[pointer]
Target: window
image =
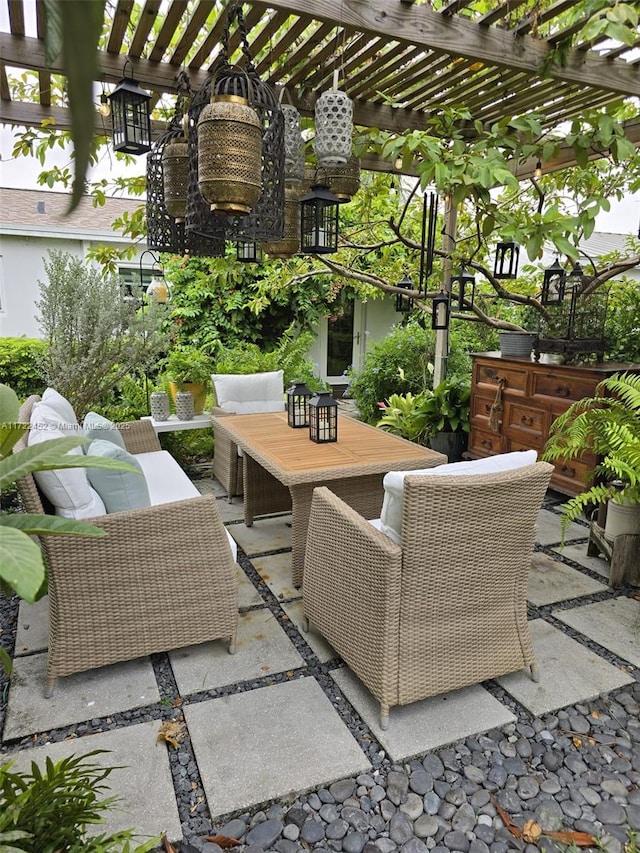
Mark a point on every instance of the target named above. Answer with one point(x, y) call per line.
point(132, 287)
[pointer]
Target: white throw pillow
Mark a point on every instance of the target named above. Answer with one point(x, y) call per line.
point(67, 489)
point(249, 393)
point(392, 504)
point(60, 404)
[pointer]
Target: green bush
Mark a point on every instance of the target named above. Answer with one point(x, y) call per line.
point(401, 363)
point(622, 329)
point(20, 365)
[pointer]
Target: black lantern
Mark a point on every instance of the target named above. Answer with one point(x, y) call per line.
point(323, 418)
point(553, 284)
point(298, 405)
point(249, 252)
point(466, 289)
point(440, 311)
point(130, 116)
point(404, 304)
point(506, 263)
point(575, 278)
point(319, 221)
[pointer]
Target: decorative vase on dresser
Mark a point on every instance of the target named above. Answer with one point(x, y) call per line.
point(515, 400)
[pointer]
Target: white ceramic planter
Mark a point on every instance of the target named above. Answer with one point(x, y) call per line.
point(622, 518)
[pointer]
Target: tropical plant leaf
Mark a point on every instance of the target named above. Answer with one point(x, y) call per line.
point(7, 664)
point(21, 564)
point(35, 525)
point(9, 435)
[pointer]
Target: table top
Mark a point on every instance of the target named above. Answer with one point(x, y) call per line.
point(174, 424)
point(291, 456)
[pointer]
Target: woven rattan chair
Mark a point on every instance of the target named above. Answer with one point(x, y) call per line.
point(164, 577)
point(445, 609)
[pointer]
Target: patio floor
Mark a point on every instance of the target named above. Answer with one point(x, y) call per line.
point(284, 716)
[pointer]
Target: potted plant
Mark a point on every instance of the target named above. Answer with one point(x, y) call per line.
point(189, 369)
point(609, 427)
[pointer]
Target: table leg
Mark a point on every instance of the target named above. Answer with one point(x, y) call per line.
point(263, 493)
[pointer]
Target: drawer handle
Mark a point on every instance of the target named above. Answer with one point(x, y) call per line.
point(486, 442)
point(568, 471)
point(487, 408)
point(526, 421)
point(563, 391)
point(493, 374)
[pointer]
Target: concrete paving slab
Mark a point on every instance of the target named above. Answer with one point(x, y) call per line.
point(569, 672)
point(266, 534)
point(262, 648)
point(248, 595)
point(549, 529)
point(269, 744)
point(551, 581)
point(32, 634)
point(79, 697)
point(322, 650)
point(428, 724)
point(230, 512)
point(578, 553)
point(143, 784)
point(614, 624)
point(275, 571)
point(211, 486)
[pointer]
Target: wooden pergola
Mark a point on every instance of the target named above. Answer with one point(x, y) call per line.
point(399, 60)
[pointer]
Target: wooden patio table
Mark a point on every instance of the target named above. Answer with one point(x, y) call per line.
point(279, 458)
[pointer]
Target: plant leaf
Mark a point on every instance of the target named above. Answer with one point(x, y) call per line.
point(21, 564)
point(35, 525)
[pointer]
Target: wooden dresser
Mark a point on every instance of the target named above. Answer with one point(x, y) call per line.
point(533, 395)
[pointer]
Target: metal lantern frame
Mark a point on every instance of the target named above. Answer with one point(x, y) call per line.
point(319, 221)
point(130, 115)
point(404, 304)
point(323, 418)
point(553, 284)
point(333, 113)
point(441, 310)
point(506, 260)
point(466, 289)
point(298, 396)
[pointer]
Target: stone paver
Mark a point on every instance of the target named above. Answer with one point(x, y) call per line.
point(569, 672)
point(86, 695)
point(262, 648)
point(211, 486)
point(230, 511)
point(323, 651)
point(578, 553)
point(275, 571)
point(266, 534)
point(614, 624)
point(428, 724)
point(32, 634)
point(142, 781)
point(269, 743)
point(551, 581)
point(248, 595)
point(549, 529)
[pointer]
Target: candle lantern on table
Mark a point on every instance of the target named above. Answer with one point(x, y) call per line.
point(298, 405)
point(323, 418)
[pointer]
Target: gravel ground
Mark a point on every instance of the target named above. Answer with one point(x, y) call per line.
point(577, 770)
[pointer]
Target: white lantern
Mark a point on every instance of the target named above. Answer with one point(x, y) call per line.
point(293, 153)
point(334, 128)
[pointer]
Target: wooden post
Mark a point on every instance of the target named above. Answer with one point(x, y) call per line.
point(448, 244)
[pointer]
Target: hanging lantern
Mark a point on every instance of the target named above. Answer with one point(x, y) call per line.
point(298, 396)
point(293, 150)
point(440, 311)
point(130, 116)
point(229, 155)
point(290, 243)
point(466, 289)
point(575, 279)
point(158, 290)
point(506, 262)
point(249, 252)
point(553, 284)
point(175, 168)
point(319, 221)
point(334, 127)
point(323, 418)
point(344, 181)
point(404, 304)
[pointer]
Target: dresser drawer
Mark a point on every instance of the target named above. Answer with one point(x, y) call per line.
point(489, 374)
point(525, 419)
point(481, 409)
point(562, 387)
point(484, 443)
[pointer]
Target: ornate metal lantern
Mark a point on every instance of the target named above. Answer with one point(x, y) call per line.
point(404, 304)
point(130, 116)
point(319, 221)
point(249, 252)
point(290, 243)
point(298, 405)
point(293, 150)
point(440, 311)
point(553, 284)
point(506, 261)
point(466, 289)
point(175, 168)
point(323, 418)
point(344, 181)
point(334, 127)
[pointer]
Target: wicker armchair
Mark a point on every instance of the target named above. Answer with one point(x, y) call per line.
point(164, 577)
point(445, 609)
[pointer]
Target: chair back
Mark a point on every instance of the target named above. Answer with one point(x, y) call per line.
point(32, 499)
point(249, 393)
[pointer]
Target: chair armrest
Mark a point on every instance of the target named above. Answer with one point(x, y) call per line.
point(139, 436)
point(217, 412)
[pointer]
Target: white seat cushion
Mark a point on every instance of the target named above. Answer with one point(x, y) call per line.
point(60, 404)
point(249, 393)
point(392, 504)
point(377, 523)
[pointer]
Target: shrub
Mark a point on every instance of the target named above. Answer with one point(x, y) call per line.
point(622, 329)
point(21, 365)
